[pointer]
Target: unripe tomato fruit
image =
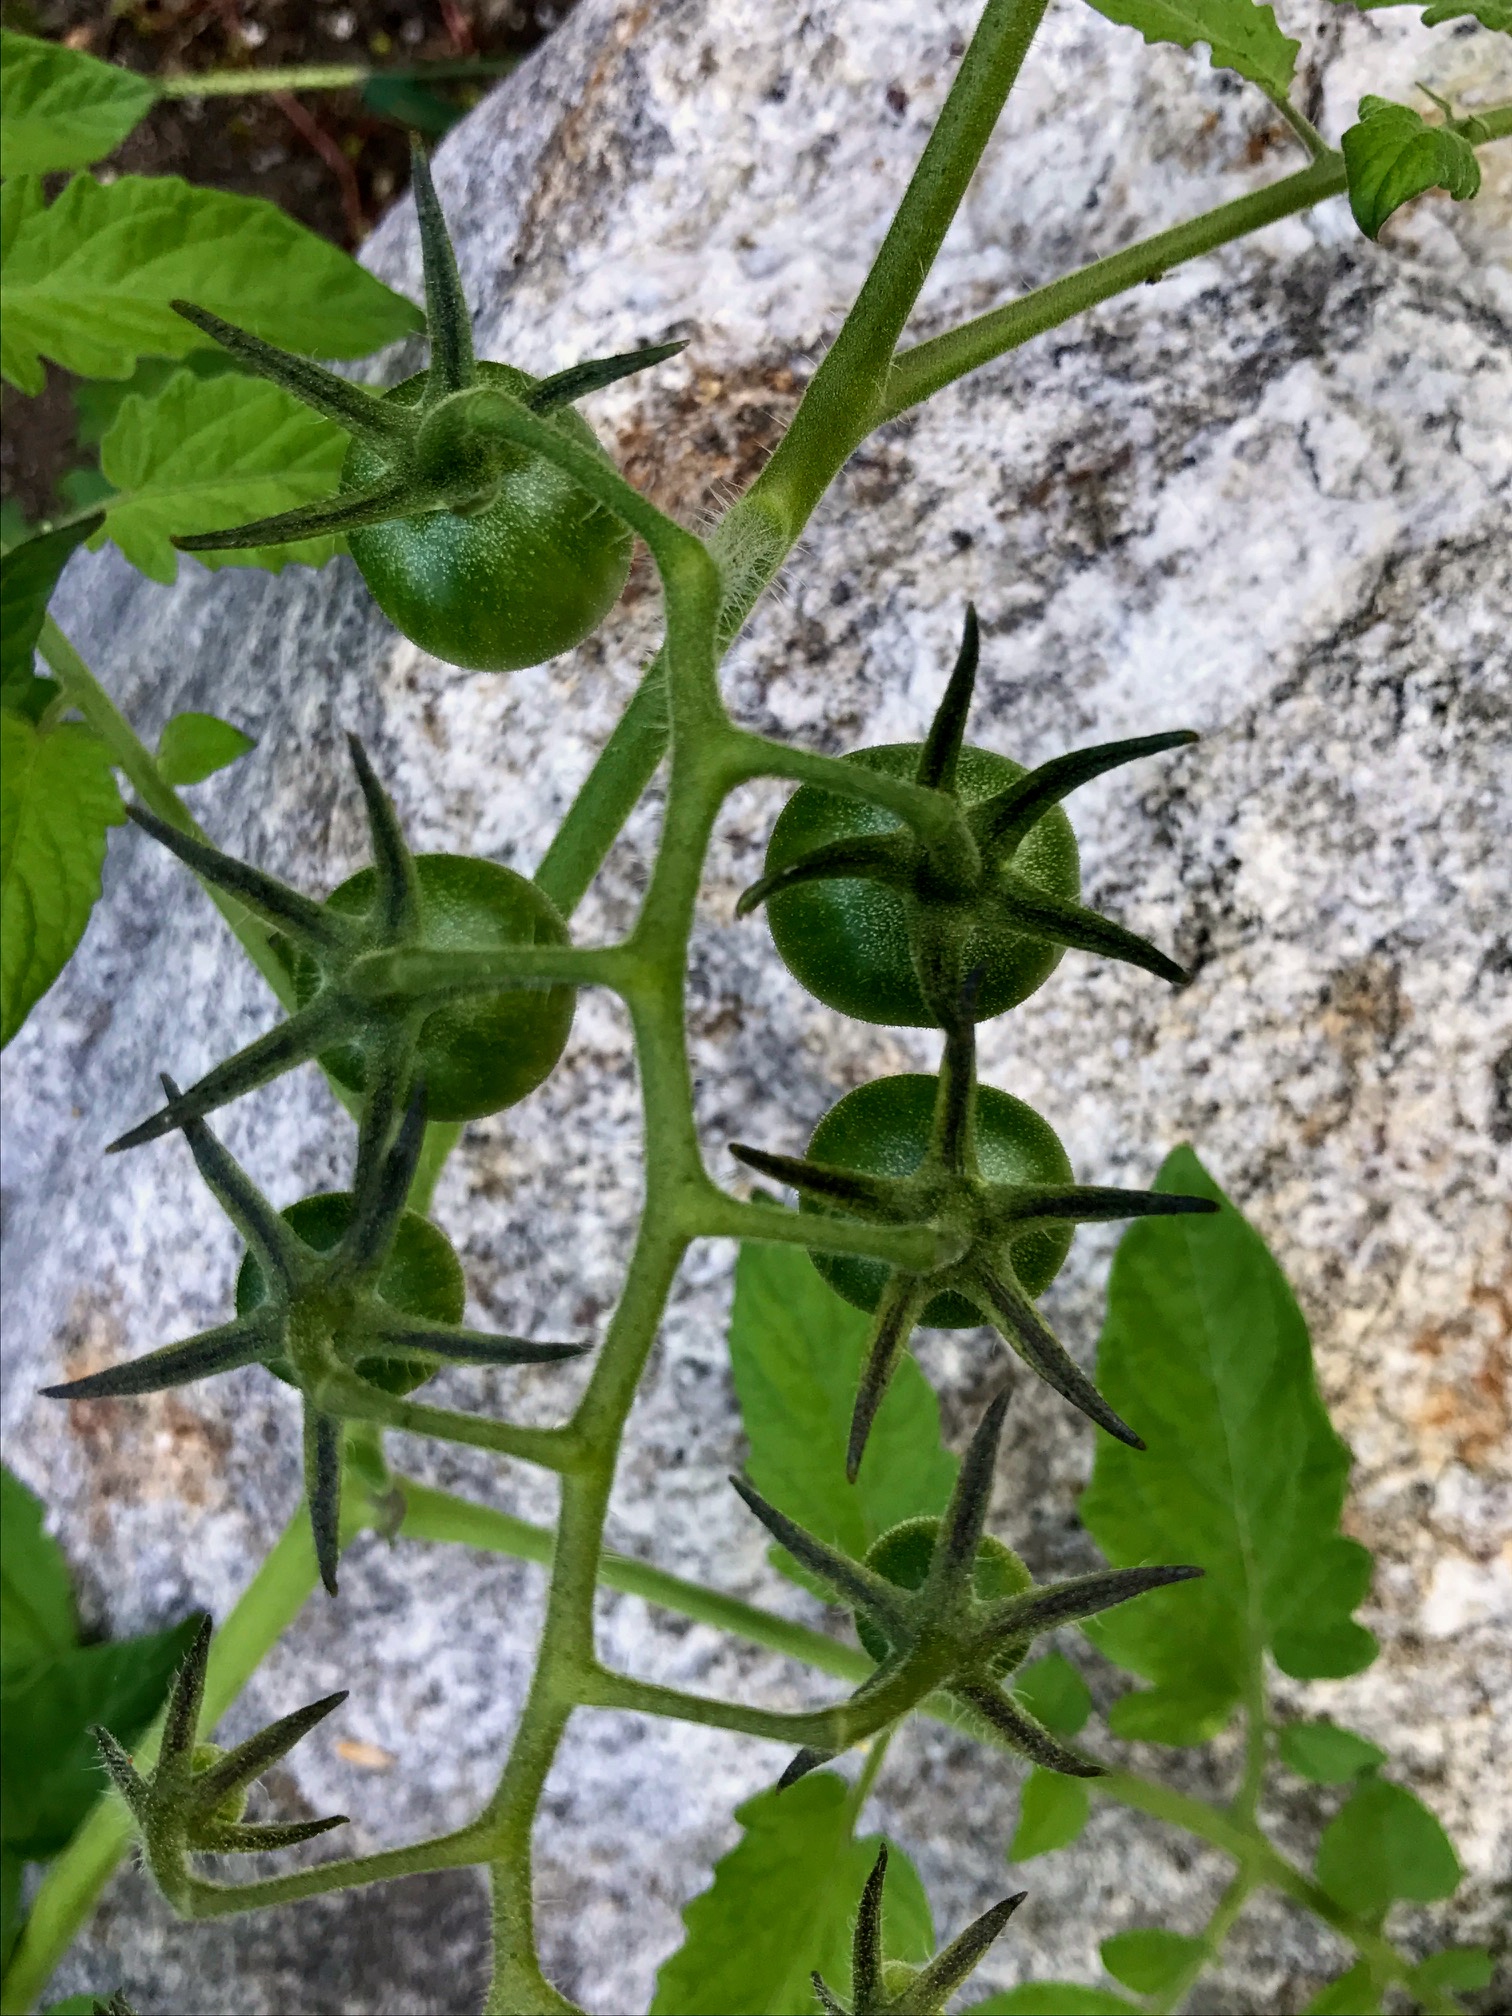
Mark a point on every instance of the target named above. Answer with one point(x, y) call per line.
point(525, 579)
point(903, 1554)
point(883, 1129)
point(847, 941)
point(234, 1805)
point(422, 1277)
point(484, 1052)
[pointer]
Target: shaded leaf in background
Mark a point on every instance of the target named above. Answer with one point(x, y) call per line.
point(87, 282)
point(1053, 1998)
point(37, 1616)
point(212, 452)
point(1054, 1693)
point(58, 799)
point(795, 1352)
point(1457, 1967)
point(783, 1903)
point(62, 109)
point(28, 575)
point(1383, 1846)
point(1053, 1809)
point(1148, 1959)
point(193, 747)
point(1353, 1993)
point(1205, 1351)
point(1393, 155)
point(49, 1766)
point(1240, 35)
point(1496, 14)
point(1325, 1753)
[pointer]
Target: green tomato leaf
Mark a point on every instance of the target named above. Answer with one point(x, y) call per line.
point(782, 1904)
point(1053, 1810)
point(795, 1352)
point(193, 747)
point(1205, 1351)
point(28, 575)
point(62, 109)
point(1354, 1993)
point(49, 1766)
point(212, 452)
point(37, 1619)
point(1326, 1754)
point(1053, 1998)
point(1239, 35)
point(88, 281)
point(97, 401)
point(58, 799)
point(1055, 1693)
point(1393, 155)
point(1148, 1960)
point(1382, 1846)
point(1493, 14)
point(1457, 1967)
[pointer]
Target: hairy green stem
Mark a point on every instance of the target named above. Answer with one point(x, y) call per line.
point(323, 77)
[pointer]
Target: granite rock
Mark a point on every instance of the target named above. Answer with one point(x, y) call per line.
point(1267, 499)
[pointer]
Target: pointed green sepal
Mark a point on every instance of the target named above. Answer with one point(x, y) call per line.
point(352, 407)
point(249, 1341)
point(865, 1196)
point(452, 366)
point(298, 917)
point(396, 906)
point(953, 1562)
point(935, 1983)
point(942, 747)
point(1002, 822)
point(1022, 1327)
point(1020, 1731)
point(1088, 1204)
point(898, 1310)
point(1026, 907)
point(322, 1468)
point(874, 857)
point(1039, 1610)
point(248, 1761)
point(380, 504)
point(123, 1773)
point(807, 1760)
point(278, 1249)
point(578, 380)
point(398, 1338)
point(861, 1587)
point(238, 1838)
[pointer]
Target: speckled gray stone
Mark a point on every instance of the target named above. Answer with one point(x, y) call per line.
point(1267, 499)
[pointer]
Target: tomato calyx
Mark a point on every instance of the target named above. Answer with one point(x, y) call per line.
point(440, 454)
point(320, 1317)
point(948, 1189)
point(947, 900)
point(883, 1987)
point(325, 947)
point(941, 1633)
point(181, 1805)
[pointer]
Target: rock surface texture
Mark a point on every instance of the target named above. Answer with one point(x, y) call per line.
point(1267, 499)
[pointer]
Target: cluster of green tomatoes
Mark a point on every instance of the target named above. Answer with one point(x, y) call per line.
point(489, 556)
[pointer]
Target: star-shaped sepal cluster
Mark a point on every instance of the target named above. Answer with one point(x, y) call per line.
point(943, 1607)
point(944, 910)
point(883, 1987)
point(320, 1317)
point(948, 1189)
point(437, 455)
point(192, 1799)
point(320, 944)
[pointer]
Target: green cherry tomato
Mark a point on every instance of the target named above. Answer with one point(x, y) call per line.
point(903, 1554)
point(848, 942)
point(422, 1277)
point(526, 578)
point(487, 1052)
point(883, 1129)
